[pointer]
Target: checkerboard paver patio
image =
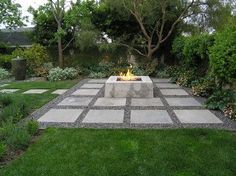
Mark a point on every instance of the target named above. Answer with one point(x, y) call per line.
point(90, 92)
point(75, 101)
point(59, 91)
point(172, 107)
point(61, 115)
point(150, 117)
point(104, 116)
point(96, 86)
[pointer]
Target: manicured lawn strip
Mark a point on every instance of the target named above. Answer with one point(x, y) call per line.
point(33, 101)
point(42, 85)
point(93, 152)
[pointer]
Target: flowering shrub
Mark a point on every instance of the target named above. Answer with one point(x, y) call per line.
point(203, 87)
point(4, 74)
point(70, 73)
point(186, 78)
point(58, 74)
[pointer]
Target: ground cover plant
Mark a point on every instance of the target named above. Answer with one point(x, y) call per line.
point(128, 152)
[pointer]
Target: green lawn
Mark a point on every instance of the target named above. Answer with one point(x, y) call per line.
point(35, 101)
point(85, 152)
point(41, 85)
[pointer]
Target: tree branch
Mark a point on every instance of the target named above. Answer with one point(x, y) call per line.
point(68, 43)
point(177, 21)
point(136, 50)
point(140, 21)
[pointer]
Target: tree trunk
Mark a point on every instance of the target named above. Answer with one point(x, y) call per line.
point(59, 45)
point(162, 61)
point(60, 53)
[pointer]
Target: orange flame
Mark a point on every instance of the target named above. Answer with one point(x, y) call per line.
point(127, 76)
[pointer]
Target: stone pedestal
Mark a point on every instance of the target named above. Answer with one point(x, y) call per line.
point(119, 89)
point(19, 68)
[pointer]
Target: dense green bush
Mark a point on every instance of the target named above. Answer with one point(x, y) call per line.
point(203, 87)
point(36, 56)
point(178, 47)
point(5, 60)
point(4, 74)
point(32, 127)
point(193, 52)
point(223, 100)
point(196, 48)
point(219, 100)
point(58, 74)
point(223, 56)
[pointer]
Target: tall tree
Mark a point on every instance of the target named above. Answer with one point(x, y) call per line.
point(10, 14)
point(63, 22)
point(58, 10)
point(153, 16)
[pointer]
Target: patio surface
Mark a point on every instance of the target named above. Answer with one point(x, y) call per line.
point(84, 106)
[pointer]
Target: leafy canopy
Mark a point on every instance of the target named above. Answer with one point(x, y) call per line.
point(10, 14)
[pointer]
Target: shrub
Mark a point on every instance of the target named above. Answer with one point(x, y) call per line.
point(70, 73)
point(186, 78)
point(36, 55)
point(16, 136)
point(3, 149)
point(223, 56)
point(196, 48)
point(44, 70)
point(32, 127)
point(56, 74)
point(203, 87)
point(230, 111)
point(174, 72)
point(219, 100)
point(4, 74)
point(193, 52)
point(97, 75)
point(139, 71)
point(5, 61)
point(162, 74)
point(178, 47)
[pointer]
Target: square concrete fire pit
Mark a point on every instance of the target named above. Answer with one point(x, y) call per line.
point(142, 87)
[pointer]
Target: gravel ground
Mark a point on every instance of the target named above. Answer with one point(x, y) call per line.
point(227, 123)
